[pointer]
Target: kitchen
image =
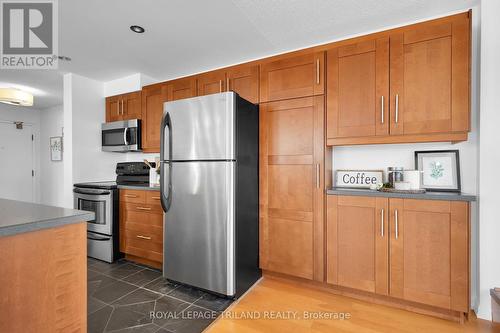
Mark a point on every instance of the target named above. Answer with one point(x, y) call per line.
point(345, 104)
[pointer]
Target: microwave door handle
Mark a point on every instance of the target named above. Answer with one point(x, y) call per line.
point(125, 136)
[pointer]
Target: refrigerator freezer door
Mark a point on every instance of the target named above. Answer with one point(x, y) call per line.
point(199, 225)
point(202, 128)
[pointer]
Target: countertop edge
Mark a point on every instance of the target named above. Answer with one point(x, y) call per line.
point(45, 224)
point(424, 196)
point(139, 188)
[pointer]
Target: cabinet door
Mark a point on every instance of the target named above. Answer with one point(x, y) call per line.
point(430, 78)
point(113, 108)
point(132, 106)
point(181, 88)
point(244, 80)
point(429, 252)
point(358, 243)
point(153, 98)
point(358, 89)
point(212, 83)
point(291, 187)
point(291, 77)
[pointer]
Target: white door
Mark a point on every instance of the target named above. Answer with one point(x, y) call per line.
point(16, 162)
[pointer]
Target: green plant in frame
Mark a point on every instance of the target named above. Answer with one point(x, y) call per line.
point(437, 170)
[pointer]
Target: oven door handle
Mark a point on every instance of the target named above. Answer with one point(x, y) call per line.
point(97, 238)
point(92, 192)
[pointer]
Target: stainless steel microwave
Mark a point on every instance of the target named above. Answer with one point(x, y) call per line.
point(121, 136)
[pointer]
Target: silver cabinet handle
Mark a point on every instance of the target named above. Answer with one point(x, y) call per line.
point(317, 71)
point(121, 112)
point(143, 208)
point(227, 84)
point(317, 176)
point(118, 110)
point(220, 85)
point(382, 222)
point(382, 109)
point(396, 119)
point(396, 224)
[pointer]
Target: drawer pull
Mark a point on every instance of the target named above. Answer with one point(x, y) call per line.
point(130, 195)
point(144, 237)
point(144, 208)
point(155, 198)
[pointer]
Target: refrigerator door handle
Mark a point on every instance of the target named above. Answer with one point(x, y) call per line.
point(166, 122)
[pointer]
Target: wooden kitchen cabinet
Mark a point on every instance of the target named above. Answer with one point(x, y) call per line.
point(429, 252)
point(292, 77)
point(181, 88)
point(244, 80)
point(358, 89)
point(422, 73)
point(358, 242)
point(412, 250)
point(153, 98)
point(141, 227)
point(212, 82)
point(124, 107)
point(291, 187)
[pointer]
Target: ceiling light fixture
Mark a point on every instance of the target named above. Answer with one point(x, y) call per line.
point(137, 29)
point(15, 97)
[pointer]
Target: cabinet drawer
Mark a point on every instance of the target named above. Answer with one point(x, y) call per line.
point(135, 196)
point(142, 207)
point(145, 241)
point(153, 198)
point(139, 217)
point(139, 252)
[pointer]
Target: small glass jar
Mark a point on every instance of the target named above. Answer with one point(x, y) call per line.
point(394, 174)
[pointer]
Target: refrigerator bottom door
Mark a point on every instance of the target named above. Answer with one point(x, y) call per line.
point(199, 225)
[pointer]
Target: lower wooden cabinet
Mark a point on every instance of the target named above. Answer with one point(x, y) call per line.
point(141, 227)
point(414, 250)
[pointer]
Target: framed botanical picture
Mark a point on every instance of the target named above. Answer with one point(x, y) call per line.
point(440, 170)
point(56, 148)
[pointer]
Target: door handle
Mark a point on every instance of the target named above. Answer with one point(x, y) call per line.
point(396, 118)
point(220, 85)
point(317, 175)
point(125, 133)
point(382, 109)
point(118, 109)
point(143, 208)
point(227, 84)
point(396, 224)
point(382, 222)
point(165, 200)
point(143, 237)
point(317, 71)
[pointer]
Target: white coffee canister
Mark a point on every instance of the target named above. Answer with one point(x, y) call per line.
point(413, 178)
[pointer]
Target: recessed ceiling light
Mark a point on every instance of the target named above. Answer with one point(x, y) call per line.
point(15, 97)
point(136, 28)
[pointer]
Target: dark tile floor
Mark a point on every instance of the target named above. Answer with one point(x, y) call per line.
point(127, 297)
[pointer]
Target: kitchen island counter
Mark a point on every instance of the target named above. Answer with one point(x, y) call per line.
point(19, 217)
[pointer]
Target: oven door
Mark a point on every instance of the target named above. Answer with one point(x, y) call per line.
point(100, 202)
point(121, 136)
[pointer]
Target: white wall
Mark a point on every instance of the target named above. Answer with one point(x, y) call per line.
point(51, 172)
point(489, 161)
point(127, 84)
point(84, 112)
point(30, 116)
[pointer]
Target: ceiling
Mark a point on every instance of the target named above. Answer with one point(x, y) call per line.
point(188, 36)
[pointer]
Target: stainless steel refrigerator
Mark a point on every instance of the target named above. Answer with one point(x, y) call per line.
point(209, 192)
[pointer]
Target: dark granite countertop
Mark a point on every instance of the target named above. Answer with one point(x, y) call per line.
point(450, 196)
point(139, 187)
point(18, 217)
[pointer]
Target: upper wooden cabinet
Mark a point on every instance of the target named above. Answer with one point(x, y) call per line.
point(123, 107)
point(291, 187)
point(430, 78)
point(181, 88)
point(153, 98)
point(415, 250)
point(244, 80)
point(358, 89)
point(292, 77)
point(211, 83)
point(410, 85)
